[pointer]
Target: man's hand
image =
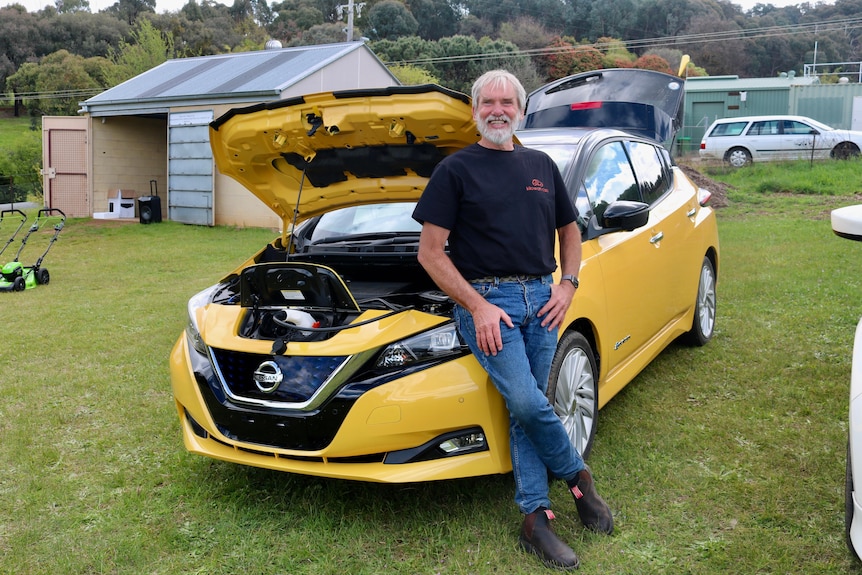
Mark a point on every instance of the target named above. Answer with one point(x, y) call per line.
point(486, 320)
point(555, 310)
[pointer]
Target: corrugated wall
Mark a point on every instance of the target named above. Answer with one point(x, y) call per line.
point(831, 104)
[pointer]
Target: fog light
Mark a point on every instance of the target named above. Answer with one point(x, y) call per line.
point(462, 443)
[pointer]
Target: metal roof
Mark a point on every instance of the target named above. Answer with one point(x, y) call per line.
point(735, 83)
point(239, 77)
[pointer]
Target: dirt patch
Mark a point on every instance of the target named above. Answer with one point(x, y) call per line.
point(718, 189)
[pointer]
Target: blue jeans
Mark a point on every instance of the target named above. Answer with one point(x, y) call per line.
point(537, 439)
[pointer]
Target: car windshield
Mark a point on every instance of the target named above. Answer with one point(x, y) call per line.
point(562, 154)
point(394, 218)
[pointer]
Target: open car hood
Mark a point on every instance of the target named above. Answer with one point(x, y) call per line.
point(642, 102)
point(323, 151)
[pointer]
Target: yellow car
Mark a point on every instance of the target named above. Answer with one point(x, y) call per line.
point(331, 353)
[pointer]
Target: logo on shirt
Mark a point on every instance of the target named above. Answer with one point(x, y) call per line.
point(537, 186)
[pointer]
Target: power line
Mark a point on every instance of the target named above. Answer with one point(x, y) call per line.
point(667, 41)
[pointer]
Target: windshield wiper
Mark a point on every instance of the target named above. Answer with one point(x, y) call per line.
point(375, 237)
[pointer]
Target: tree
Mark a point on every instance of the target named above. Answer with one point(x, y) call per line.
point(616, 55)
point(55, 85)
point(148, 49)
point(84, 34)
point(653, 62)
point(413, 75)
point(389, 19)
point(129, 10)
point(526, 33)
point(462, 59)
point(566, 58)
point(436, 18)
point(20, 38)
point(320, 34)
point(70, 6)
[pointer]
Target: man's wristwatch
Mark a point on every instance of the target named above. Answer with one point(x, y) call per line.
point(570, 278)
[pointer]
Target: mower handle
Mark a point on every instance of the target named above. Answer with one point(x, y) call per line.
point(13, 211)
point(48, 211)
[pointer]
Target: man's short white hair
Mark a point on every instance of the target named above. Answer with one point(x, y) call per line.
point(495, 78)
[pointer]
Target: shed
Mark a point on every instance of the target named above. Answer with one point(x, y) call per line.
point(148, 139)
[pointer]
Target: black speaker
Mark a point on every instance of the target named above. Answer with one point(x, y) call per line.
point(150, 209)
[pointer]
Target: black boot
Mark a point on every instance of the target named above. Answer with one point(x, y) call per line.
point(538, 538)
point(595, 513)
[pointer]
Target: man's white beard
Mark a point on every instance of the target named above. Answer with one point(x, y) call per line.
point(497, 136)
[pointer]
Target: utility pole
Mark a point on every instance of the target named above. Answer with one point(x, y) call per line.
point(349, 7)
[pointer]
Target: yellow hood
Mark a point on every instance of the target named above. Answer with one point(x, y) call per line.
point(323, 151)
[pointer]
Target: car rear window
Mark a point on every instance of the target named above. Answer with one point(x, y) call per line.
point(729, 129)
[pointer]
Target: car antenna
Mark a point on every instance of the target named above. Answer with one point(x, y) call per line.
point(295, 213)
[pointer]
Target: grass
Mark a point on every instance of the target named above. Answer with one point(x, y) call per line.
point(11, 130)
point(722, 459)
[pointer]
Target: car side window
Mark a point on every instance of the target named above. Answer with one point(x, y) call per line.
point(797, 128)
point(610, 177)
point(649, 169)
point(729, 129)
point(767, 128)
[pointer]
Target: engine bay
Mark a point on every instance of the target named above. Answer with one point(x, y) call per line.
point(299, 300)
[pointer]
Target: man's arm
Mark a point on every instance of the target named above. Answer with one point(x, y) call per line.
point(486, 317)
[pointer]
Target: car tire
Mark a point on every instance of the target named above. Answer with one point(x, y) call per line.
point(738, 157)
point(42, 276)
point(573, 390)
point(848, 503)
point(705, 303)
point(845, 151)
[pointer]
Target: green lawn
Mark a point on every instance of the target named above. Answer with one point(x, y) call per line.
point(722, 459)
point(11, 131)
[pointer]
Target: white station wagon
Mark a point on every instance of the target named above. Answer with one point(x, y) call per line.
point(741, 141)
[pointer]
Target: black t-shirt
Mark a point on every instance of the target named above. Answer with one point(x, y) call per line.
point(502, 210)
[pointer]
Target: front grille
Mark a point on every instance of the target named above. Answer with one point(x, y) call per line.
point(303, 376)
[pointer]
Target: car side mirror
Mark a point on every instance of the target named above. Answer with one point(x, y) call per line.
point(625, 215)
point(622, 215)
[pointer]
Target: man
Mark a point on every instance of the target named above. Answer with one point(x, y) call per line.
point(500, 207)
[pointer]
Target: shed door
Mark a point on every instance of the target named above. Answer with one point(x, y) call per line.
point(67, 170)
point(190, 168)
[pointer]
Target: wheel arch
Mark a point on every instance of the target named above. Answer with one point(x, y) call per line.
point(712, 254)
point(589, 331)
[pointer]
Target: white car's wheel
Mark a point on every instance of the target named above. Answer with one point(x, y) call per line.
point(573, 390)
point(738, 157)
point(703, 325)
point(845, 151)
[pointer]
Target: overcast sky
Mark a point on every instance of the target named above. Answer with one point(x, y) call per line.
point(174, 5)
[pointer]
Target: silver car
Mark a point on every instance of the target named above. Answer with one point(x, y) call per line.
point(741, 141)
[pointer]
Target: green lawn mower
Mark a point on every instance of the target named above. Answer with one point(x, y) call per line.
point(14, 276)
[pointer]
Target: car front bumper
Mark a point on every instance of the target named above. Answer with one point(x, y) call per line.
point(389, 434)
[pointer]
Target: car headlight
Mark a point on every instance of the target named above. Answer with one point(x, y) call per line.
point(438, 343)
point(196, 302)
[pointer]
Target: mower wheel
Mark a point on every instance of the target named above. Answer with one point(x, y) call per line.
point(19, 284)
point(42, 276)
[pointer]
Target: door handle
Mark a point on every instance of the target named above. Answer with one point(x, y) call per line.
point(691, 212)
point(656, 238)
